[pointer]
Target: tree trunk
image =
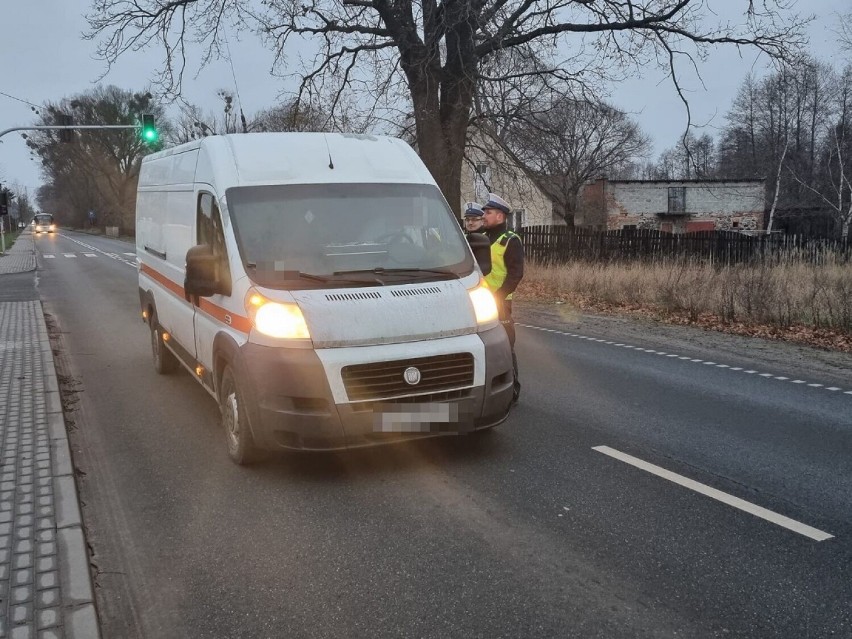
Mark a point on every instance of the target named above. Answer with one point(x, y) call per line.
point(442, 100)
point(777, 186)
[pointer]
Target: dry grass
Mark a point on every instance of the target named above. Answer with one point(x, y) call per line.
point(792, 299)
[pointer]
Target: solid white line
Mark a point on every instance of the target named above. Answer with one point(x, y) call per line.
point(725, 498)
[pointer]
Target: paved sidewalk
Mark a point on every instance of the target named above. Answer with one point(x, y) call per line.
point(45, 584)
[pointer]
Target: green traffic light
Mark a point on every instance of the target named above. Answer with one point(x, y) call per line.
point(149, 128)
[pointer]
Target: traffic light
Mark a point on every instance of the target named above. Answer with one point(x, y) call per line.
point(149, 129)
point(4, 202)
point(66, 135)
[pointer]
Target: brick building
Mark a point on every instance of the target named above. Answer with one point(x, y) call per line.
point(677, 206)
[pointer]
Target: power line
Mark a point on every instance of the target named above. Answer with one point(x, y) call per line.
point(20, 100)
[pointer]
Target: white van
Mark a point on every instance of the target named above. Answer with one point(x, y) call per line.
point(320, 289)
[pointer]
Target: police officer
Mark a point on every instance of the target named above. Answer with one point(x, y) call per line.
point(507, 268)
point(473, 218)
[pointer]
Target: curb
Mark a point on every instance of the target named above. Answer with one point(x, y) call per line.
point(80, 619)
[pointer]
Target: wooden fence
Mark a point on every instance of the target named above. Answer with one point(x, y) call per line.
point(554, 244)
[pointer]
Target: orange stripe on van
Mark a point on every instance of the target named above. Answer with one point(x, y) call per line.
point(176, 289)
point(242, 324)
point(238, 322)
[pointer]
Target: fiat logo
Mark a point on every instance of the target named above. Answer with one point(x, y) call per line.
point(411, 376)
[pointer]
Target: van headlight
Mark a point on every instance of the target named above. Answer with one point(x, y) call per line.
point(282, 320)
point(484, 306)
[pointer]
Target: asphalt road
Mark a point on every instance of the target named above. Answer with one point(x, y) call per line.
point(542, 528)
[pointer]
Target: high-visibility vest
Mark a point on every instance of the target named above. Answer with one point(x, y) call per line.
point(499, 272)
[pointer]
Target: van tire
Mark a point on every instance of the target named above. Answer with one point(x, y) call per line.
point(241, 447)
point(165, 361)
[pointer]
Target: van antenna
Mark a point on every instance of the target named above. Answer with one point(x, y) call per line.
point(330, 162)
point(234, 75)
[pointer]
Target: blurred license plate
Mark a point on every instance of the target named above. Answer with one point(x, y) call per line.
point(414, 418)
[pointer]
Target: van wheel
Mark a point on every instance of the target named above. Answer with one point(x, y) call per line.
point(241, 446)
point(164, 360)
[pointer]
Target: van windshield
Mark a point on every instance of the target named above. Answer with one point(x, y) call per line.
point(321, 235)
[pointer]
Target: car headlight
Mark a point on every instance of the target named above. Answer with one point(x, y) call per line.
point(484, 306)
point(53, 227)
point(283, 320)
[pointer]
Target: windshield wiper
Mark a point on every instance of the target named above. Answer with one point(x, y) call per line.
point(295, 274)
point(380, 270)
point(325, 279)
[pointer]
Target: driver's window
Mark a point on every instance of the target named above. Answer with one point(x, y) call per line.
point(209, 231)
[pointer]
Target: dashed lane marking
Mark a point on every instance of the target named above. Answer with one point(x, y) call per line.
point(718, 495)
point(686, 358)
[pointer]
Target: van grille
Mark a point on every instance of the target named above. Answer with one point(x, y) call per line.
point(428, 398)
point(384, 380)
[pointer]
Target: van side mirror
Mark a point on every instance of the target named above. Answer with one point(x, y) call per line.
point(481, 247)
point(201, 277)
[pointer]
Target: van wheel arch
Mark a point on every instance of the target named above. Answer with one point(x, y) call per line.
point(227, 357)
point(225, 351)
point(165, 362)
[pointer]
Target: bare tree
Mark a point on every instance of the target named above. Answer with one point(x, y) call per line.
point(99, 169)
point(692, 158)
point(429, 52)
point(844, 32)
point(834, 186)
point(563, 145)
point(775, 131)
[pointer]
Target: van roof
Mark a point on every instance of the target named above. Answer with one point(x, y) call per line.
point(301, 158)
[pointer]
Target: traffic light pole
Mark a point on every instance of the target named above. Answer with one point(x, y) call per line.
point(72, 127)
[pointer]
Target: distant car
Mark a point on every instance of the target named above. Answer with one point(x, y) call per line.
point(43, 223)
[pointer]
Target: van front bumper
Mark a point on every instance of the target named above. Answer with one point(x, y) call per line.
point(292, 405)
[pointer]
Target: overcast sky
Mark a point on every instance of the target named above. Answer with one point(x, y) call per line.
point(44, 58)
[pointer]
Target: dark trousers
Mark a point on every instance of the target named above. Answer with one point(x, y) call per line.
point(509, 324)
